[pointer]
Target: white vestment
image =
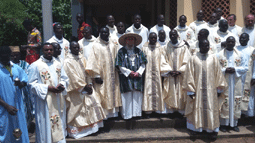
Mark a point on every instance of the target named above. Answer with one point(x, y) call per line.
point(119, 35)
point(238, 62)
point(157, 28)
point(64, 44)
point(163, 43)
point(186, 33)
point(218, 37)
point(196, 26)
point(113, 32)
point(86, 46)
point(212, 28)
point(236, 30)
point(142, 31)
point(251, 33)
point(40, 90)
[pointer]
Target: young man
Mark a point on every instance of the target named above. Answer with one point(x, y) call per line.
point(185, 32)
point(11, 102)
point(34, 41)
point(161, 26)
point(199, 24)
point(58, 38)
point(84, 114)
point(162, 38)
point(82, 25)
point(57, 52)
point(131, 62)
point(212, 24)
point(156, 65)
point(48, 81)
point(86, 42)
point(101, 67)
point(112, 28)
point(202, 80)
point(233, 67)
point(177, 55)
point(139, 29)
point(121, 31)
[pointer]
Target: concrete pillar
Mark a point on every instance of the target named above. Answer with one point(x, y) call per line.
point(167, 12)
point(189, 8)
point(240, 8)
point(76, 7)
point(47, 19)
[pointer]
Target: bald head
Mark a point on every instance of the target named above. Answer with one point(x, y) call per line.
point(223, 25)
point(200, 15)
point(161, 20)
point(218, 11)
point(249, 21)
point(182, 20)
point(213, 18)
point(110, 20)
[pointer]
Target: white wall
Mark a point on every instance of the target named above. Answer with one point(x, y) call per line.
point(76, 7)
point(47, 19)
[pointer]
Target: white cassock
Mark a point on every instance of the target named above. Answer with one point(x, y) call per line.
point(163, 43)
point(221, 18)
point(251, 33)
point(119, 35)
point(86, 46)
point(196, 26)
point(218, 37)
point(236, 30)
point(64, 44)
point(194, 48)
point(231, 110)
point(186, 33)
point(212, 28)
point(142, 31)
point(157, 28)
point(113, 32)
point(40, 91)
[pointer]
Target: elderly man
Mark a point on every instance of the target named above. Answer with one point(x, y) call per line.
point(121, 31)
point(84, 114)
point(156, 65)
point(202, 35)
point(131, 62)
point(185, 32)
point(139, 29)
point(203, 79)
point(112, 28)
point(233, 28)
point(221, 35)
point(249, 29)
point(34, 41)
point(11, 103)
point(58, 38)
point(82, 25)
point(199, 24)
point(86, 42)
point(233, 67)
point(177, 56)
point(101, 67)
point(248, 79)
point(161, 26)
point(48, 82)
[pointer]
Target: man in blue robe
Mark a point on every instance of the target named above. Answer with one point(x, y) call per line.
point(12, 113)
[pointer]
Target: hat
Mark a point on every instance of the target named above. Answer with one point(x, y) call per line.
point(15, 48)
point(136, 36)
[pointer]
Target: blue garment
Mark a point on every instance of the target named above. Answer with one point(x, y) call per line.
point(7, 93)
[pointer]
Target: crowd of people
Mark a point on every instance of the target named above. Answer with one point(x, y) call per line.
point(204, 72)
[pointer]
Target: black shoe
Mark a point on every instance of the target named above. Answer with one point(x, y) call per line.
point(223, 128)
point(193, 133)
point(213, 135)
point(236, 129)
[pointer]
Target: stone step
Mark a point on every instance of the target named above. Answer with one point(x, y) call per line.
point(121, 135)
point(146, 123)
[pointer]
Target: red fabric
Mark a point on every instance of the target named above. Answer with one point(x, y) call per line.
point(32, 57)
point(79, 30)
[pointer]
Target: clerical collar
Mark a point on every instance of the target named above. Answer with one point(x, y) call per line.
point(111, 28)
point(11, 64)
point(90, 40)
point(46, 60)
point(212, 25)
point(103, 41)
point(182, 28)
point(140, 28)
point(200, 22)
point(223, 33)
point(58, 40)
point(159, 26)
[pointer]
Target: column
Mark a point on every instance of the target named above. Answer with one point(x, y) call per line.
point(47, 19)
point(76, 7)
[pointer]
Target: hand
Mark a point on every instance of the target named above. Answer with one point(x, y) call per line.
point(19, 84)
point(60, 87)
point(230, 70)
point(98, 80)
point(88, 88)
point(132, 74)
point(192, 96)
point(136, 74)
point(53, 89)
point(252, 81)
point(178, 72)
point(11, 110)
point(172, 73)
